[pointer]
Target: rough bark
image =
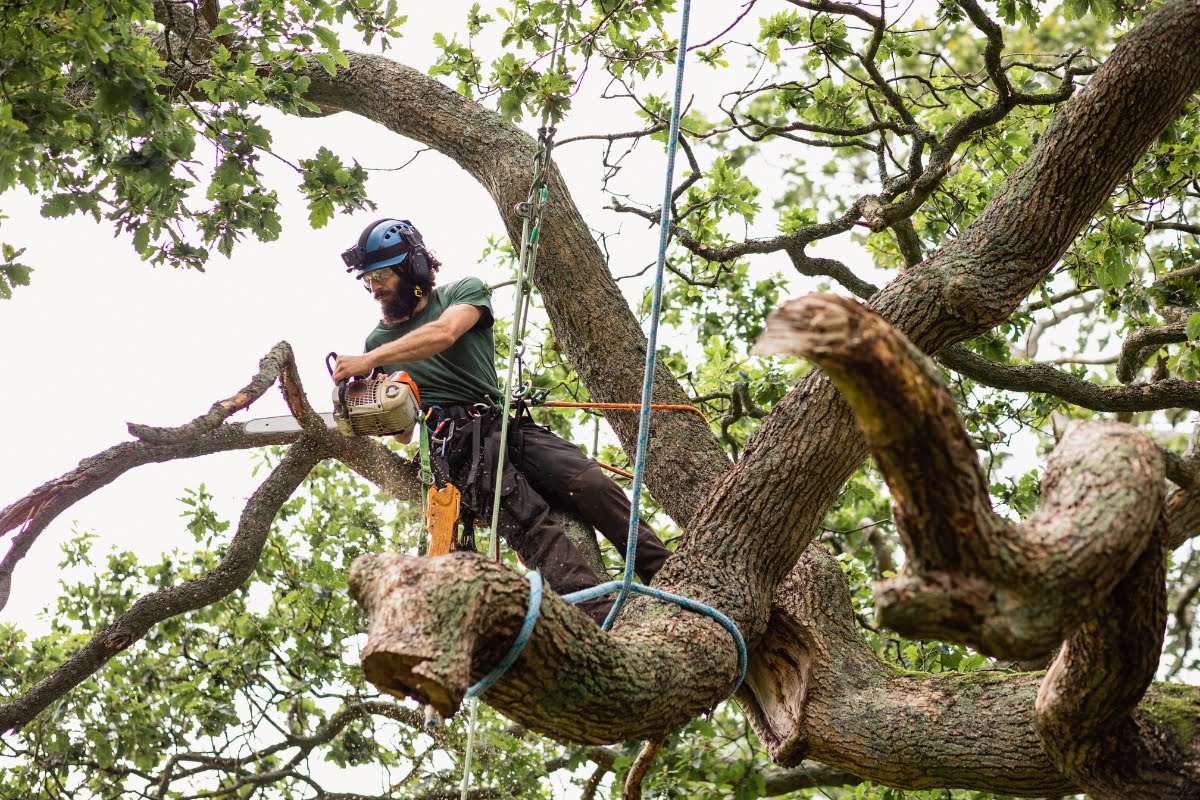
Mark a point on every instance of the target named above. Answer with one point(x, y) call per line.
point(1095, 548)
point(816, 690)
point(1012, 591)
point(439, 624)
point(754, 525)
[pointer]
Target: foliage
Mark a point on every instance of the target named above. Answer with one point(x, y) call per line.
point(106, 107)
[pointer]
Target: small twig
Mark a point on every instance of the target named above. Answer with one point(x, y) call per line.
point(637, 771)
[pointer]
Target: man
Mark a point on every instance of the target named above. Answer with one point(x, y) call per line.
point(442, 337)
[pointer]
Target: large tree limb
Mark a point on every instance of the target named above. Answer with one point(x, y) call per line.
point(1086, 702)
point(1140, 345)
point(817, 690)
point(1013, 591)
point(438, 625)
point(272, 365)
point(1096, 546)
point(961, 291)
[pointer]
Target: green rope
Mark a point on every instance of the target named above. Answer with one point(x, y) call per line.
point(465, 786)
point(426, 482)
point(531, 210)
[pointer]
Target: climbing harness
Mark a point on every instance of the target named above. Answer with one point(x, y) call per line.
point(527, 261)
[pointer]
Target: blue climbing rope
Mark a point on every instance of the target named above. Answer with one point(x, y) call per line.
point(679, 600)
point(625, 586)
point(532, 612)
point(664, 231)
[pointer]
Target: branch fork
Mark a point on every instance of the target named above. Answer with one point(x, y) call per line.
point(972, 576)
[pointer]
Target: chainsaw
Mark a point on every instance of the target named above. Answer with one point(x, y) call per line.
point(382, 406)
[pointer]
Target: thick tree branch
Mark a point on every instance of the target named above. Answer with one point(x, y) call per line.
point(1012, 591)
point(1169, 393)
point(816, 690)
point(1140, 345)
point(809, 775)
point(237, 564)
point(438, 625)
point(830, 268)
point(961, 291)
point(1085, 706)
point(279, 361)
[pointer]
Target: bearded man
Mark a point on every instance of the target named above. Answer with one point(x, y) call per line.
point(442, 337)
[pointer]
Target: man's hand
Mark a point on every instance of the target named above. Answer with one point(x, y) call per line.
point(347, 367)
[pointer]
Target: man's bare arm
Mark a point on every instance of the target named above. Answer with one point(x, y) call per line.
point(425, 341)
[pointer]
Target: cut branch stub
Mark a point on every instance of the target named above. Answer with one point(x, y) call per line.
point(908, 419)
point(971, 576)
point(438, 625)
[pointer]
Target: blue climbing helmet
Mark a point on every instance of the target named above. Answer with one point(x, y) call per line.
point(393, 243)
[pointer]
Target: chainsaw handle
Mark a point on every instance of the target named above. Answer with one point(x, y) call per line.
point(330, 361)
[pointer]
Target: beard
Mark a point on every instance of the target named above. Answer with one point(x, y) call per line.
point(399, 305)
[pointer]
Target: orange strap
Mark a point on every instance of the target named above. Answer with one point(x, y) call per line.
point(441, 515)
point(617, 470)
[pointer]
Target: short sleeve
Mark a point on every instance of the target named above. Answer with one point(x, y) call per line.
point(472, 292)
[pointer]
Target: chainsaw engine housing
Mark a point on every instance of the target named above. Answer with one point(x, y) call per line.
point(376, 407)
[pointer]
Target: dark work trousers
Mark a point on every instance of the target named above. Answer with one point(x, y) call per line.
point(541, 471)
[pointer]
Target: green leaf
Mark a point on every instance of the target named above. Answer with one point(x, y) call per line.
point(141, 238)
point(1193, 327)
point(327, 62)
point(327, 37)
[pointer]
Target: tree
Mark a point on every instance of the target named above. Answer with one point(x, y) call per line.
point(977, 184)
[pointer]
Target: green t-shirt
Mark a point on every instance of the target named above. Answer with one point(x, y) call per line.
point(465, 372)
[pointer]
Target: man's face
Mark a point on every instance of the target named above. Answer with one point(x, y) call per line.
point(393, 293)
